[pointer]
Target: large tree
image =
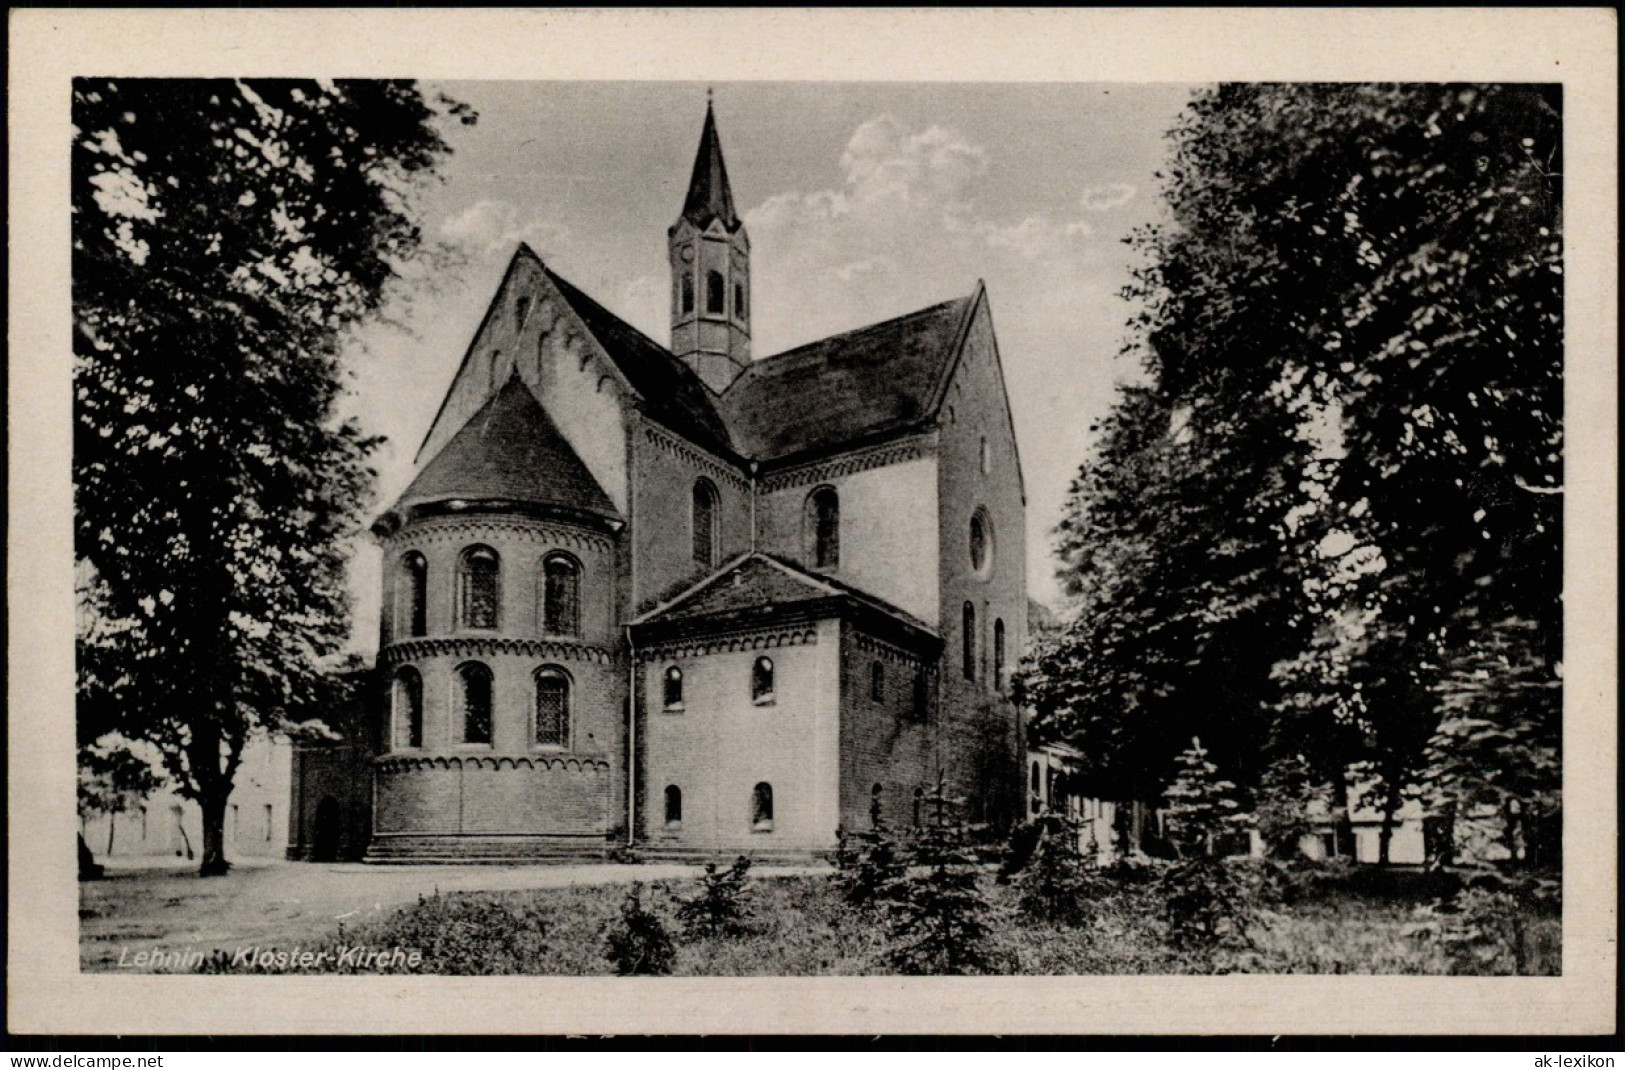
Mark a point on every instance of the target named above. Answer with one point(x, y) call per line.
point(226, 236)
point(1340, 480)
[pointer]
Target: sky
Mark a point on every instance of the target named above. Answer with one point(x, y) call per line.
point(863, 201)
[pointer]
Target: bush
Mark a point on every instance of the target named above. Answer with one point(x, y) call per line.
point(1487, 927)
point(1059, 882)
point(938, 917)
point(722, 904)
point(1206, 906)
point(639, 942)
point(869, 865)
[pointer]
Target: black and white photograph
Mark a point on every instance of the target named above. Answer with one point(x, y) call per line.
point(1093, 532)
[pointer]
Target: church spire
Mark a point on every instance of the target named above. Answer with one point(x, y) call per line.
point(710, 271)
point(708, 194)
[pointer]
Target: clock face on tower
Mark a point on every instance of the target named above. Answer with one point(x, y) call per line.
point(686, 252)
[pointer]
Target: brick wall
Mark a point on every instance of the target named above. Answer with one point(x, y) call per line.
point(887, 742)
point(665, 470)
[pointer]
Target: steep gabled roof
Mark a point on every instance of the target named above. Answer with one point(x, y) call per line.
point(756, 585)
point(672, 394)
point(509, 451)
point(708, 194)
point(841, 390)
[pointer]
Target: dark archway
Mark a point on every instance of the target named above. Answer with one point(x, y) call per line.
point(327, 832)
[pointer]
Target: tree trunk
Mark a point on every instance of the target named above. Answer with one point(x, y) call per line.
point(212, 802)
point(112, 823)
point(1344, 830)
point(1385, 836)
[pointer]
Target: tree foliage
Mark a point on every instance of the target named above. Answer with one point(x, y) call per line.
point(937, 918)
point(226, 236)
point(1328, 518)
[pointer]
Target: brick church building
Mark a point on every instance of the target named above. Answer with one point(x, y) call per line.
point(689, 597)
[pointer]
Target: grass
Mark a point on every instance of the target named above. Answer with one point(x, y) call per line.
point(799, 926)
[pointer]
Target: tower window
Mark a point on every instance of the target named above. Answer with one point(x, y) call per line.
point(408, 708)
point(474, 696)
point(715, 292)
point(981, 542)
point(672, 688)
point(687, 289)
point(761, 807)
point(414, 594)
point(552, 708)
point(521, 311)
point(761, 682)
point(674, 806)
point(987, 457)
point(704, 519)
point(998, 655)
point(823, 528)
point(921, 696)
point(967, 638)
point(877, 681)
point(478, 587)
point(739, 300)
point(561, 595)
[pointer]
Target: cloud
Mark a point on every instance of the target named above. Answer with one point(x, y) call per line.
point(490, 227)
point(913, 221)
point(1106, 197)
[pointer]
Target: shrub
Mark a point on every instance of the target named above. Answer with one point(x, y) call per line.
point(722, 904)
point(1487, 927)
point(938, 917)
point(870, 865)
point(1059, 882)
point(639, 942)
point(1206, 906)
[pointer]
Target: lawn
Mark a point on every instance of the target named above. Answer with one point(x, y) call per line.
point(800, 926)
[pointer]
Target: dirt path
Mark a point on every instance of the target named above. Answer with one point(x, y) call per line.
point(169, 908)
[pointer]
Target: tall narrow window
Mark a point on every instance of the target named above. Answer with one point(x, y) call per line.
point(823, 528)
point(998, 655)
point(761, 681)
point(408, 709)
point(704, 521)
point(552, 708)
point(521, 310)
point(270, 821)
point(739, 300)
point(761, 807)
point(967, 639)
point(919, 800)
point(877, 681)
point(922, 696)
point(688, 292)
point(414, 603)
point(674, 806)
point(987, 457)
point(672, 688)
point(981, 542)
point(561, 595)
point(474, 699)
point(478, 587)
point(715, 294)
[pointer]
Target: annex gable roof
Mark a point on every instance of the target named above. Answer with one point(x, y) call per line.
point(757, 586)
point(864, 384)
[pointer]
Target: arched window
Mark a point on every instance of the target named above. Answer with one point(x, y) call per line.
point(715, 295)
point(688, 292)
point(474, 700)
point(919, 800)
point(761, 807)
point(967, 638)
point(561, 595)
point(674, 806)
point(521, 310)
point(414, 595)
point(552, 708)
point(998, 655)
point(672, 688)
point(761, 682)
point(704, 522)
point(922, 696)
point(407, 733)
point(877, 681)
point(981, 542)
point(739, 300)
point(478, 587)
point(823, 528)
point(987, 457)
